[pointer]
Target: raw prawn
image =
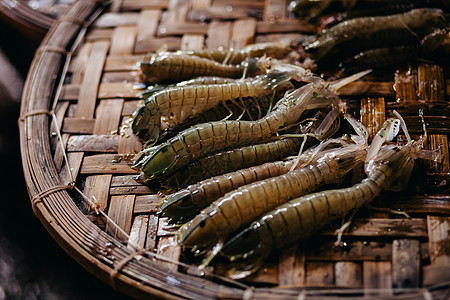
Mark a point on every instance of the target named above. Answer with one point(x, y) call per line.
point(232, 160)
point(184, 204)
point(171, 67)
point(381, 57)
point(377, 31)
point(236, 56)
point(238, 158)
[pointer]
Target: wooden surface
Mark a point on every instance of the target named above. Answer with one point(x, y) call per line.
point(381, 252)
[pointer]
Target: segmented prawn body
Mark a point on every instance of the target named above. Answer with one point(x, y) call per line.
point(377, 31)
point(241, 206)
point(202, 139)
point(230, 111)
point(355, 8)
point(203, 80)
point(236, 56)
point(232, 160)
point(389, 168)
point(171, 67)
point(380, 57)
point(180, 102)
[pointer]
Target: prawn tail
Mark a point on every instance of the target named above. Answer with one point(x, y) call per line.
point(338, 84)
point(241, 270)
point(140, 157)
point(252, 66)
point(276, 79)
point(329, 126)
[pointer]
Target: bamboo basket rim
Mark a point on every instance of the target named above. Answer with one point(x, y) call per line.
point(54, 206)
point(27, 19)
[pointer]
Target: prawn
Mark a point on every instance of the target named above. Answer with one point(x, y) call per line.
point(351, 8)
point(171, 67)
point(232, 160)
point(406, 26)
point(205, 138)
point(230, 111)
point(181, 102)
point(381, 57)
point(234, 56)
point(387, 167)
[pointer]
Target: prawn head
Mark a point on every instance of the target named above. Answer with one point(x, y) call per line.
point(146, 124)
point(166, 158)
point(246, 252)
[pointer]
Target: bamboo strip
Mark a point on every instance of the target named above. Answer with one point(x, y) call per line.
point(405, 263)
point(377, 275)
point(218, 35)
point(88, 91)
point(348, 274)
point(108, 116)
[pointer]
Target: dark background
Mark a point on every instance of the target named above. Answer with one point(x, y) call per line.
point(32, 265)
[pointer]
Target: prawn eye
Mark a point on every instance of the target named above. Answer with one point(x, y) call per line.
point(202, 223)
point(246, 234)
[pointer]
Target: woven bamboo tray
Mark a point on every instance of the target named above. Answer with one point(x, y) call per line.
point(80, 90)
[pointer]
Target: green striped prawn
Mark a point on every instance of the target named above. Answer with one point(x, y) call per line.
point(251, 108)
point(178, 103)
point(380, 31)
point(202, 139)
point(241, 206)
point(168, 66)
point(276, 50)
point(387, 167)
point(232, 160)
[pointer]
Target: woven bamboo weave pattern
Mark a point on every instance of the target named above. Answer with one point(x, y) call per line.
point(381, 252)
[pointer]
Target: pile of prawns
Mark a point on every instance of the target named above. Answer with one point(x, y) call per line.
point(242, 139)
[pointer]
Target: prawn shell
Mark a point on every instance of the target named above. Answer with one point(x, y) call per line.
point(169, 67)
